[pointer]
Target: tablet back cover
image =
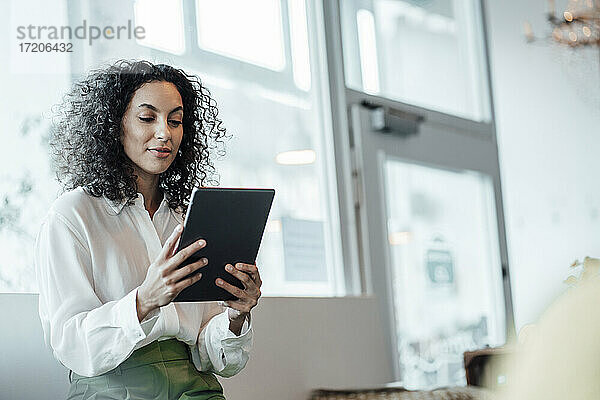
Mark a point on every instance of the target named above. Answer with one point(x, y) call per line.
point(232, 222)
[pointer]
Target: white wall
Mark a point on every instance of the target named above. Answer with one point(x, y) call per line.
point(28, 369)
point(547, 104)
point(307, 343)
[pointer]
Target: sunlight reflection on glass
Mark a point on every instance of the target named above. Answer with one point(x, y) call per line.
point(253, 33)
point(163, 26)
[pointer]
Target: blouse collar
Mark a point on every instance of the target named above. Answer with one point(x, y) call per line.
point(117, 205)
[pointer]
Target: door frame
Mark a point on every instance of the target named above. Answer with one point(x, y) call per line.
point(357, 254)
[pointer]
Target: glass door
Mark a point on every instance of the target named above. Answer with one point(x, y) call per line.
point(430, 230)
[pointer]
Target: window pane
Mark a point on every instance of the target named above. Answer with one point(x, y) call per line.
point(252, 33)
point(299, 42)
point(280, 142)
point(426, 53)
point(30, 82)
point(445, 265)
point(164, 30)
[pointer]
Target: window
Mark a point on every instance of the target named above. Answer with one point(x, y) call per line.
point(427, 53)
point(263, 66)
point(164, 29)
point(270, 101)
point(445, 265)
point(253, 32)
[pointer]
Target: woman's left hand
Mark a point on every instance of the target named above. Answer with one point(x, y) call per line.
point(248, 297)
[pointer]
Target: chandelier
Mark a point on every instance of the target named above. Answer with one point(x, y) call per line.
point(578, 25)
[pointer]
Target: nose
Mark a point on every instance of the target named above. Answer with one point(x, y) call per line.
point(162, 132)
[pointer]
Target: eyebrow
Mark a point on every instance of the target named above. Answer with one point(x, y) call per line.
point(150, 106)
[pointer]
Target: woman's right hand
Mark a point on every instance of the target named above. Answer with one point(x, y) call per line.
point(164, 280)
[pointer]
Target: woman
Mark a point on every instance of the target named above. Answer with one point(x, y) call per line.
point(131, 142)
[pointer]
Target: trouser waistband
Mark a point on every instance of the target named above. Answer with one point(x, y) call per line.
point(156, 351)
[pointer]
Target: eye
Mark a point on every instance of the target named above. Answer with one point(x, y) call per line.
point(146, 119)
point(175, 123)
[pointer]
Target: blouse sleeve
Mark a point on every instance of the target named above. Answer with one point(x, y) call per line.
point(86, 336)
point(217, 348)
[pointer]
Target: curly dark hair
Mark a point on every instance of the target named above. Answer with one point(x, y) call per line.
point(85, 143)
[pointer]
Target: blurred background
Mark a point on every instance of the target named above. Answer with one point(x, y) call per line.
point(435, 163)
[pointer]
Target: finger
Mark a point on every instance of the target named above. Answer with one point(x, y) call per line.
point(174, 249)
point(252, 270)
point(169, 246)
point(187, 282)
point(182, 272)
point(234, 290)
point(245, 278)
point(183, 255)
point(249, 303)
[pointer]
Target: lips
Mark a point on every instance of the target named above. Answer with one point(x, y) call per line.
point(160, 152)
point(161, 149)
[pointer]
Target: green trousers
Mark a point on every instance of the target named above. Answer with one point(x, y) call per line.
point(160, 370)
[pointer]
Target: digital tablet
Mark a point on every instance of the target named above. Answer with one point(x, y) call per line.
point(232, 222)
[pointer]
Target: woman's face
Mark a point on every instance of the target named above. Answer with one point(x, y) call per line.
point(152, 127)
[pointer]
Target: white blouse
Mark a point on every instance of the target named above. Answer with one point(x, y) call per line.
point(91, 255)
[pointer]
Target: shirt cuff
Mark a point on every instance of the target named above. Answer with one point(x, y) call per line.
point(245, 327)
point(125, 316)
point(232, 350)
point(220, 323)
point(150, 320)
